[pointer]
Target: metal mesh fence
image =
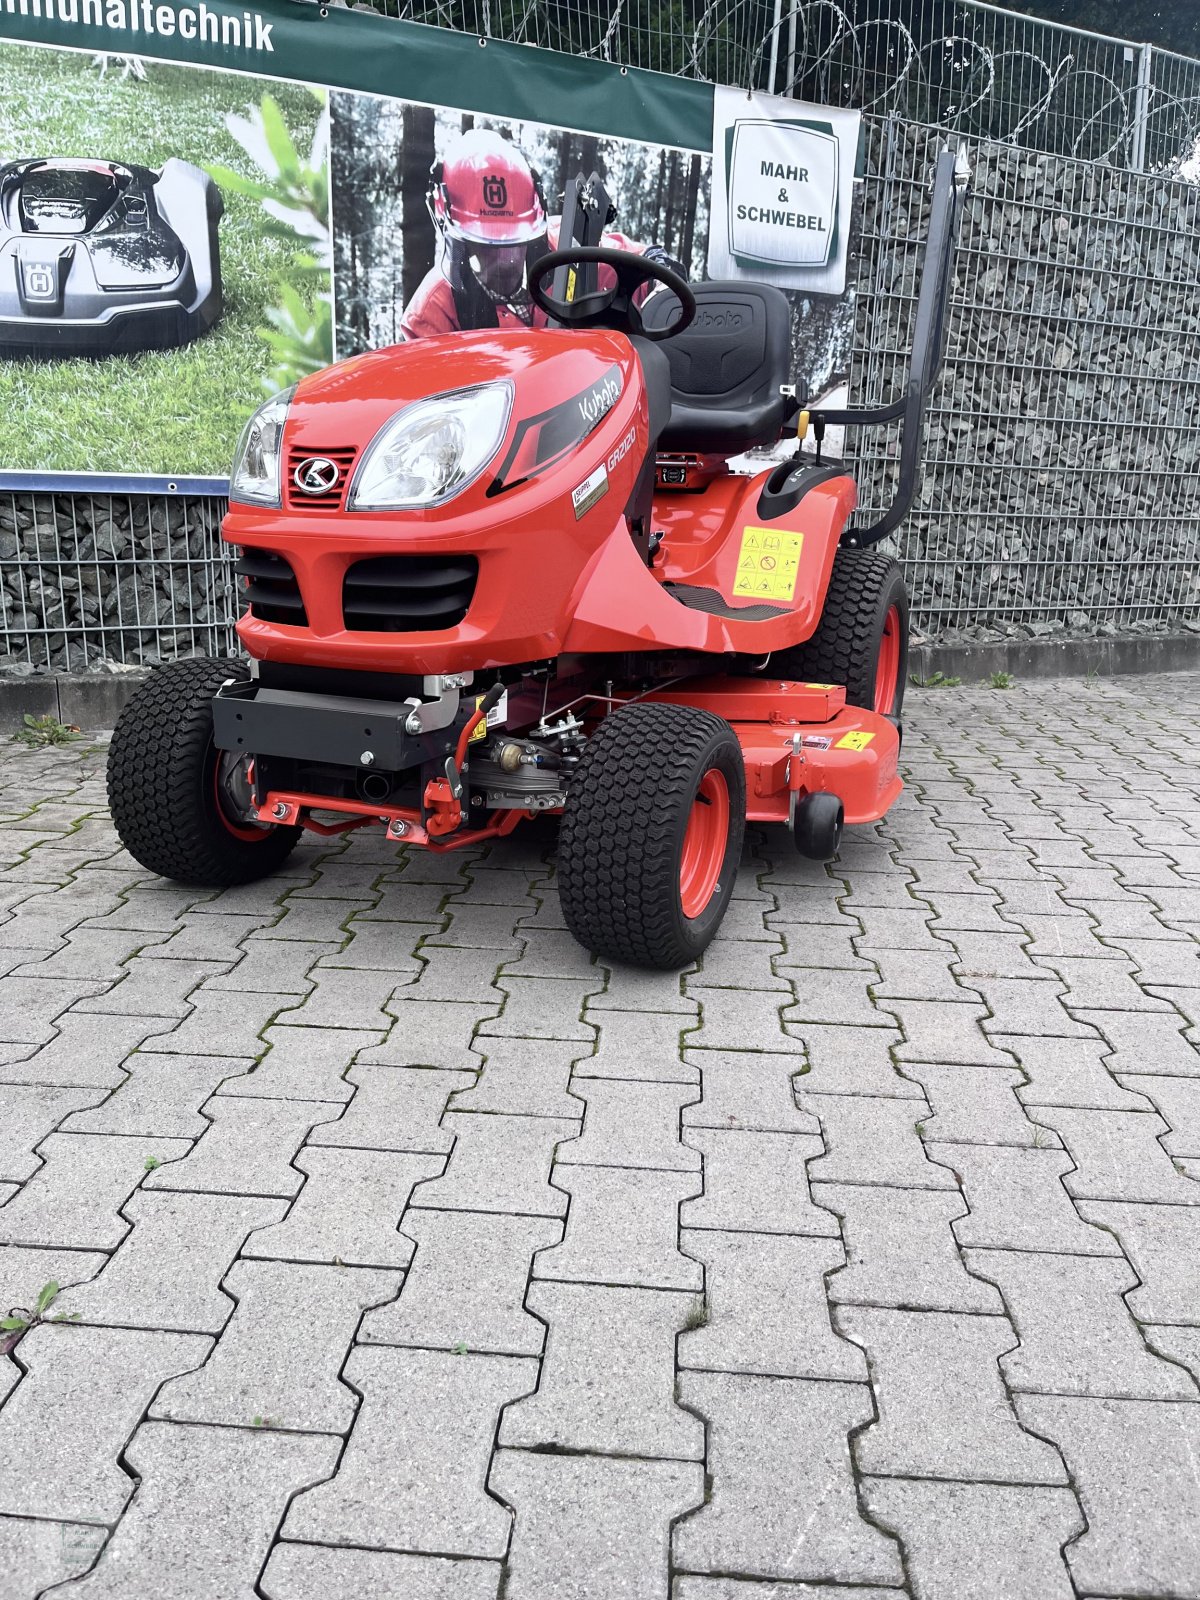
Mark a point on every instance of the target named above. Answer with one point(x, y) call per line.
point(1062, 485)
point(1062, 469)
point(135, 579)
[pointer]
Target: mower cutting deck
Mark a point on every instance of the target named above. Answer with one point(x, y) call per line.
point(498, 574)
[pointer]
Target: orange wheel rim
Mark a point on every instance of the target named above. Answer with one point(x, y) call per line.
point(887, 668)
point(704, 844)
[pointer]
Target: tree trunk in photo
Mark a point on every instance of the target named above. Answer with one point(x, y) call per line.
point(689, 216)
point(416, 156)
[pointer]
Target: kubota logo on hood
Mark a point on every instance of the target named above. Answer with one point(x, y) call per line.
point(316, 475)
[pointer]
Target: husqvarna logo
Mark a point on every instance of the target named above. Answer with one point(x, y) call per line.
point(495, 192)
point(39, 280)
point(316, 475)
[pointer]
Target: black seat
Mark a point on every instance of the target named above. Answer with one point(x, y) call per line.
point(727, 368)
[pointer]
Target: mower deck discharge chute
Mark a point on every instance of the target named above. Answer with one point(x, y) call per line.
point(100, 258)
point(490, 575)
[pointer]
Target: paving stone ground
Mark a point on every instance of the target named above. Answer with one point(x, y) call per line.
point(413, 1253)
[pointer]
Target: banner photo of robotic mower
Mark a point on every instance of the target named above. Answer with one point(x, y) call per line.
point(165, 261)
point(783, 191)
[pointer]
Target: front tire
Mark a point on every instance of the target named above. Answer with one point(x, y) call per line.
point(652, 834)
point(162, 784)
point(862, 638)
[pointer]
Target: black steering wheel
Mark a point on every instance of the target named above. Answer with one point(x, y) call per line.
point(614, 307)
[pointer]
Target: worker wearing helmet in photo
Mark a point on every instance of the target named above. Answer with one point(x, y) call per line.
point(487, 206)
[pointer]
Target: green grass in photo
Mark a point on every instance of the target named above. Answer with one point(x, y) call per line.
point(175, 412)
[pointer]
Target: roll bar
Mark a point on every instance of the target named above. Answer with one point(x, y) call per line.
point(950, 181)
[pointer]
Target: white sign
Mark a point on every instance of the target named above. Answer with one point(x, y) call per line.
point(782, 191)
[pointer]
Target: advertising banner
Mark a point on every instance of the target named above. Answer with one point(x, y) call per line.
point(253, 194)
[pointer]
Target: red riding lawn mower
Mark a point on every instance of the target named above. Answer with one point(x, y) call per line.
point(492, 575)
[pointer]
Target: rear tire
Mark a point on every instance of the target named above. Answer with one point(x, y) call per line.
point(652, 834)
point(162, 783)
point(862, 638)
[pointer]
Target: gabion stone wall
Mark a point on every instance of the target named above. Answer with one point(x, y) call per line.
point(89, 580)
point(1062, 478)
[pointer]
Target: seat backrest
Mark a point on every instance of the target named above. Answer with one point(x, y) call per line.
point(727, 368)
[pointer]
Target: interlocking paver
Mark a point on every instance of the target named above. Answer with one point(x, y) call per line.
point(1017, 1200)
point(853, 1061)
point(315, 1572)
point(86, 1050)
point(632, 1044)
point(1071, 1072)
point(1077, 1336)
point(248, 1147)
point(275, 966)
point(74, 1199)
point(167, 1271)
point(748, 963)
point(588, 1527)
point(607, 1375)
point(943, 1031)
point(623, 1228)
point(466, 1284)
point(777, 1447)
point(342, 997)
point(27, 1114)
point(499, 1164)
point(1119, 1157)
point(303, 1064)
point(978, 1105)
point(756, 1183)
point(943, 1410)
point(278, 1358)
point(348, 1210)
point(29, 1007)
point(748, 1089)
point(872, 1141)
point(765, 1307)
point(900, 1250)
point(741, 1020)
point(972, 1541)
point(521, 1077)
point(207, 1505)
point(1163, 1243)
point(65, 1423)
point(36, 1554)
point(1178, 1102)
point(1145, 1042)
point(394, 1108)
point(430, 1033)
point(629, 1124)
point(161, 1096)
point(154, 988)
point(425, 1428)
point(1133, 1465)
point(544, 1008)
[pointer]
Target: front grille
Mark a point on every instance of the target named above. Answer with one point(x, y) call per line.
point(331, 500)
point(272, 592)
point(408, 594)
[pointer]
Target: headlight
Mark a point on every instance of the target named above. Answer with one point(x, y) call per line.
point(254, 475)
point(432, 450)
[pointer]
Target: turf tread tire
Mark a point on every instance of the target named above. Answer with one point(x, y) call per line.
point(845, 647)
point(160, 765)
point(622, 831)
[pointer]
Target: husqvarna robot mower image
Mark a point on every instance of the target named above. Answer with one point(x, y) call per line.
point(105, 258)
point(497, 574)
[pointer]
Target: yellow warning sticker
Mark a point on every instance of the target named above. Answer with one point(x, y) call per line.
point(820, 686)
point(768, 562)
point(854, 741)
point(570, 284)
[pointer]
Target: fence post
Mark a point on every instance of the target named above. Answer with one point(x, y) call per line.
point(1137, 157)
point(775, 27)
